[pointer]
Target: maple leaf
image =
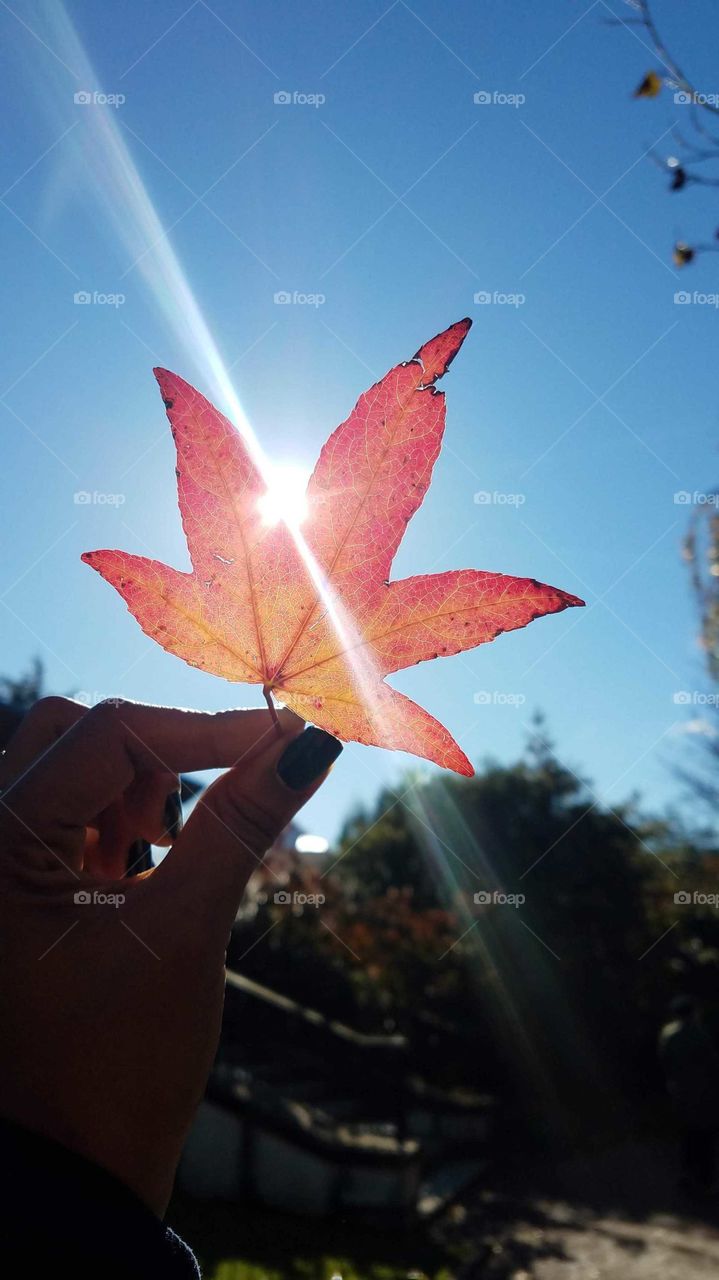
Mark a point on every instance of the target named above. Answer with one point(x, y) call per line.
point(650, 86)
point(312, 615)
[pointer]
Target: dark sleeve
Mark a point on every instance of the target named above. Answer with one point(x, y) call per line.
point(62, 1214)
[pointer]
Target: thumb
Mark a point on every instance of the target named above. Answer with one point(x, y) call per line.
point(239, 817)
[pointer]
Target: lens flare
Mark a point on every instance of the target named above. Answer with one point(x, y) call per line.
point(103, 159)
point(285, 498)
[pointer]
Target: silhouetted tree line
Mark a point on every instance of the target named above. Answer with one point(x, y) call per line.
point(523, 935)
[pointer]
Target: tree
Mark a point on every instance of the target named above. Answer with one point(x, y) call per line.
point(17, 696)
point(695, 159)
point(694, 163)
point(506, 924)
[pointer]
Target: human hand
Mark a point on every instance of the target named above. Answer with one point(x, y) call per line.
point(112, 986)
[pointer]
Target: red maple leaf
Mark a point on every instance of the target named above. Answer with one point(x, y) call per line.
point(311, 614)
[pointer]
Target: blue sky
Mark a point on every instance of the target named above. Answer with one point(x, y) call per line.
point(397, 199)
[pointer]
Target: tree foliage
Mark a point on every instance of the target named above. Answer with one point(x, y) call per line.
point(555, 987)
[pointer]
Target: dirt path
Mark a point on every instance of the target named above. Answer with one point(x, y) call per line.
point(612, 1216)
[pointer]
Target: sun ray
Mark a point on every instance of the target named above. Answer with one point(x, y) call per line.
point(102, 150)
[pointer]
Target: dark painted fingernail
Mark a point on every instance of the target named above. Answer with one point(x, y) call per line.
point(173, 815)
point(308, 756)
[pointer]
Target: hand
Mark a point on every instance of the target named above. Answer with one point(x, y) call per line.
point(112, 987)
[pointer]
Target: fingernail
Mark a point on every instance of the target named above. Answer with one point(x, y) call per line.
point(172, 819)
point(308, 756)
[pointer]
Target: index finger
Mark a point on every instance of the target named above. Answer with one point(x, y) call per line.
point(38, 729)
point(98, 758)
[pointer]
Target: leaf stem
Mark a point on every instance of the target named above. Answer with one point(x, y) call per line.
point(273, 709)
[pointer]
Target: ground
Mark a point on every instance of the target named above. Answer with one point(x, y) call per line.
point(610, 1214)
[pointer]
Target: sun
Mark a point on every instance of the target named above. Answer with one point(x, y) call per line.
point(285, 497)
